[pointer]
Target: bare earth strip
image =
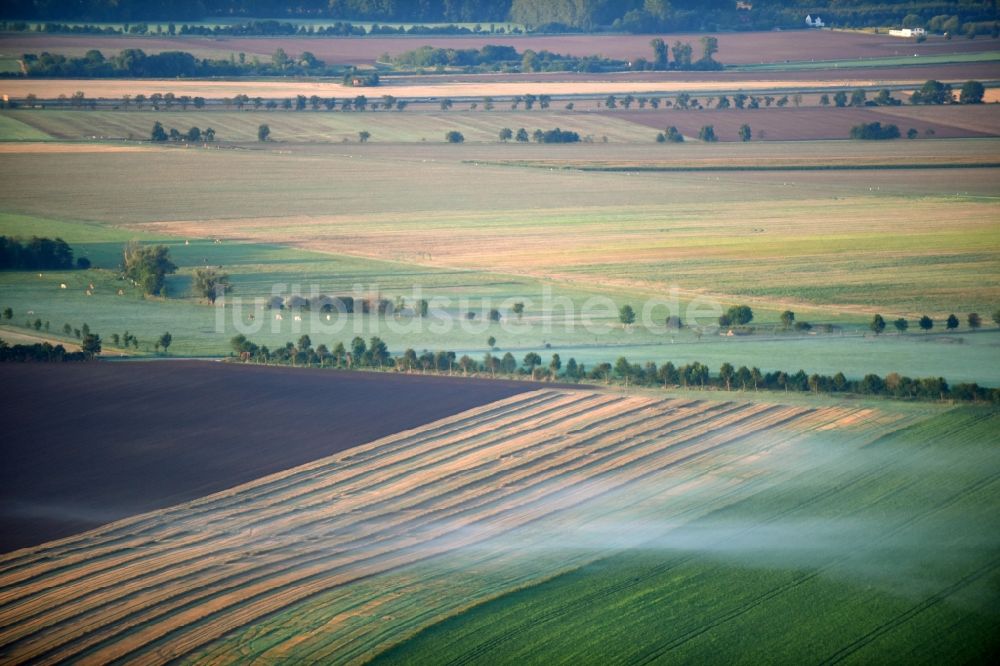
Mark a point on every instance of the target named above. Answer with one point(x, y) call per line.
point(115, 88)
point(163, 585)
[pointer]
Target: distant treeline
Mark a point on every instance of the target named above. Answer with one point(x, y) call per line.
point(638, 16)
point(41, 352)
point(264, 28)
point(375, 354)
point(493, 57)
point(37, 254)
point(135, 63)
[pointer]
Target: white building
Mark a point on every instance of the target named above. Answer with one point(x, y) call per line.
point(908, 32)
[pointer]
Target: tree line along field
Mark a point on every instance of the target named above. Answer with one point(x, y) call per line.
point(734, 48)
point(614, 126)
point(358, 552)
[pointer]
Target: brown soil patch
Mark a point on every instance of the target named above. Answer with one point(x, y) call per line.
point(125, 449)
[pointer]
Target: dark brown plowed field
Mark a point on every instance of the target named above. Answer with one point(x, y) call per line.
point(791, 124)
point(734, 48)
point(83, 445)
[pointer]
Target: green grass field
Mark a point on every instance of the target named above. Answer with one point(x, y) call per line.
point(458, 222)
point(888, 554)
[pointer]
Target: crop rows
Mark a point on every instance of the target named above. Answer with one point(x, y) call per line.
point(168, 583)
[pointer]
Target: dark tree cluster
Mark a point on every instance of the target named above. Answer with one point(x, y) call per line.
point(37, 254)
point(875, 131)
point(147, 266)
point(41, 352)
point(136, 63)
point(506, 58)
point(193, 135)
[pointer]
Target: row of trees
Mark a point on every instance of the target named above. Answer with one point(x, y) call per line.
point(194, 135)
point(37, 254)
point(706, 134)
point(973, 320)
point(375, 354)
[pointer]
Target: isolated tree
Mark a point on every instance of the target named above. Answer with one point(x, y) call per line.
point(745, 132)
point(91, 345)
point(674, 135)
point(446, 104)
point(901, 325)
point(147, 266)
point(932, 92)
point(531, 360)
point(491, 342)
point(364, 135)
point(726, 374)
point(974, 320)
point(626, 315)
point(518, 309)
point(736, 315)
point(659, 54)
point(709, 47)
point(787, 318)
point(210, 284)
point(521, 136)
point(877, 324)
point(707, 134)
point(193, 135)
point(926, 323)
point(263, 133)
point(824, 100)
point(840, 98)
point(165, 340)
point(454, 137)
point(972, 93)
point(952, 322)
point(378, 351)
point(422, 307)
point(209, 134)
point(158, 133)
point(555, 365)
point(506, 134)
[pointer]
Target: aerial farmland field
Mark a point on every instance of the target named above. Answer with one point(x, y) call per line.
point(504, 501)
point(489, 364)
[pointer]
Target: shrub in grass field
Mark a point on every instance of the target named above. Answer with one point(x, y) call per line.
point(454, 137)
point(874, 132)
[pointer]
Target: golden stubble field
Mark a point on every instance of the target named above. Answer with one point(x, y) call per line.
point(511, 492)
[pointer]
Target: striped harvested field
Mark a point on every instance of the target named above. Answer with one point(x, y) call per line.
point(407, 529)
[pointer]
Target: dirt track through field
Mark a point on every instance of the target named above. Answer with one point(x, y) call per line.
point(165, 584)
